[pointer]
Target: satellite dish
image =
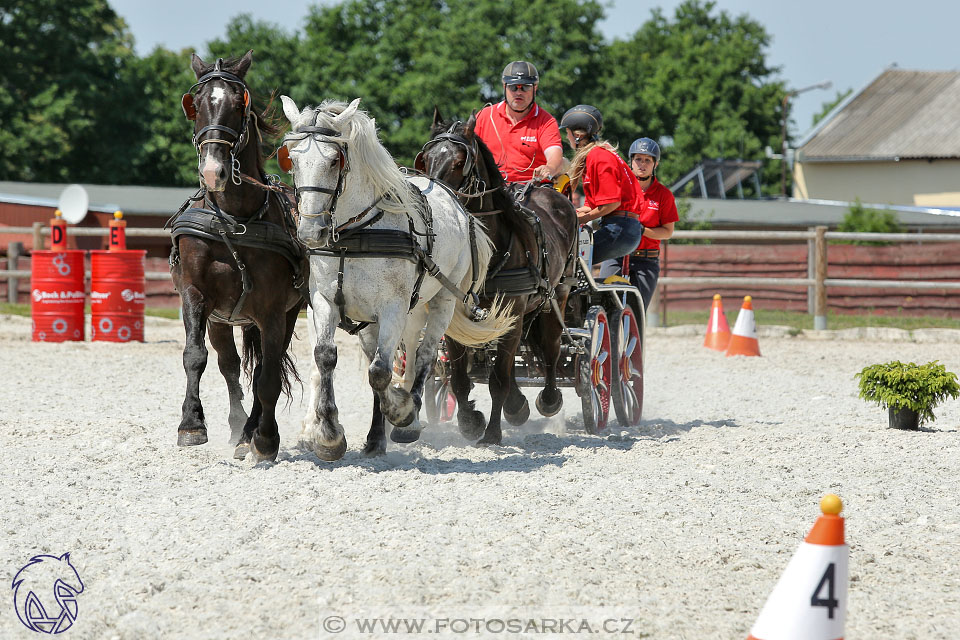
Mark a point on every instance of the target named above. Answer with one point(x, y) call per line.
point(73, 203)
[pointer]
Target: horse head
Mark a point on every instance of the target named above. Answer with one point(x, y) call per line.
point(220, 105)
point(451, 154)
point(315, 152)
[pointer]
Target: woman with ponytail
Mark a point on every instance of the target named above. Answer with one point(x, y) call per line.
point(611, 191)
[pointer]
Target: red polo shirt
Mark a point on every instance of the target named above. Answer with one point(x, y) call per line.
point(607, 178)
point(518, 148)
point(659, 209)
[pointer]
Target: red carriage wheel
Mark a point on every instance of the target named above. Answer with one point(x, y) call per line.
point(597, 372)
point(626, 343)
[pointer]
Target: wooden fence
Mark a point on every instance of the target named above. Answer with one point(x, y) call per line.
point(815, 282)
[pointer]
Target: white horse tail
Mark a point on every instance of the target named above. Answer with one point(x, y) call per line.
point(499, 320)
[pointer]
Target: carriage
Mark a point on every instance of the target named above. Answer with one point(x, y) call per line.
point(601, 352)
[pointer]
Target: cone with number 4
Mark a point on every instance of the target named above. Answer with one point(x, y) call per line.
point(718, 331)
point(809, 601)
point(743, 342)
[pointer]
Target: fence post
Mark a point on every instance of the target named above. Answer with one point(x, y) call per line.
point(820, 311)
point(14, 251)
point(38, 236)
point(811, 271)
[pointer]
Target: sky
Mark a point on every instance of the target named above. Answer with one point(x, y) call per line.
point(845, 42)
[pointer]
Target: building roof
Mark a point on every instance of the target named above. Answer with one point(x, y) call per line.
point(901, 114)
point(106, 198)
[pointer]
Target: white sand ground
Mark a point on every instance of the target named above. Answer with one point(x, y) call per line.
point(683, 523)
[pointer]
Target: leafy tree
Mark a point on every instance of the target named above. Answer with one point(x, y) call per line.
point(59, 104)
point(827, 107)
point(403, 57)
point(700, 79)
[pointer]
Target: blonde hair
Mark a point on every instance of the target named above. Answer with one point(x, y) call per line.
point(579, 163)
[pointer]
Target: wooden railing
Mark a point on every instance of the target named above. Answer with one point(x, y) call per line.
point(816, 238)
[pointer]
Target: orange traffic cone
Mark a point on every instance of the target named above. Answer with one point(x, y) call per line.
point(809, 601)
point(718, 331)
point(743, 342)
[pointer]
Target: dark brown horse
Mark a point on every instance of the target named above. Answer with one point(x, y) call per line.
point(235, 260)
point(534, 245)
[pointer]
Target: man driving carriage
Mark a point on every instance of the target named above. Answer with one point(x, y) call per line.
point(523, 137)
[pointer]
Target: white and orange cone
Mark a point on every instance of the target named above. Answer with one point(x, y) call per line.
point(718, 331)
point(809, 601)
point(743, 342)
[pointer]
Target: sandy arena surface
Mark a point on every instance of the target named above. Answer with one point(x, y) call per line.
point(684, 523)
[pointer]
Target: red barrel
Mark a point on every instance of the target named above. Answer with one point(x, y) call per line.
point(117, 298)
point(56, 291)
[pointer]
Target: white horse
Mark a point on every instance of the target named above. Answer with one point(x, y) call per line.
point(357, 212)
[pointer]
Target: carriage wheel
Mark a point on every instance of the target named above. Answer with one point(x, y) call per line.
point(596, 372)
point(438, 399)
point(627, 343)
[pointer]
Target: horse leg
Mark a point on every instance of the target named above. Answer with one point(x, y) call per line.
point(314, 378)
point(550, 400)
point(193, 429)
point(322, 431)
point(376, 443)
point(499, 383)
point(265, 443)
point(469, 419)
point(396, 403)
point(221, 337)
point(253, 350)
point(437, 320)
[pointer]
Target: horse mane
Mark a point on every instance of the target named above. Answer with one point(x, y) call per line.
point(367, 155)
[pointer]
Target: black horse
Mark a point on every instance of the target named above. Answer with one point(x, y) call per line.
point(235, 260)
point(534, 238)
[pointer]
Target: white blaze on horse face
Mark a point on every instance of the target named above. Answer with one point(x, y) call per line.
point(217, 95)
point(212, 170)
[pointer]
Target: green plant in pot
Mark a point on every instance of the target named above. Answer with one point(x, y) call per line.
point(909, 391)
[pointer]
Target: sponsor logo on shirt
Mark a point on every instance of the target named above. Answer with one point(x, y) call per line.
point(528, 138)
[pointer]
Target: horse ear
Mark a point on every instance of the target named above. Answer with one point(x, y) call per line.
point(437, 118)
point(198, 65)
point(290, 109)
point(348, 112)
point(468, 128)
point(244, 64)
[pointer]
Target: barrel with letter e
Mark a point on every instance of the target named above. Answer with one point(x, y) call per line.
point(117, 295)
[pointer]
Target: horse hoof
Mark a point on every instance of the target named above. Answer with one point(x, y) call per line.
point(373, 448)
point(404, 436)
point(265, 451)
point(331, 454)
point(472, 424)
point(488, 440)
point(191, 437)
point(241, 450)
point(518, 417)
point(548, 411)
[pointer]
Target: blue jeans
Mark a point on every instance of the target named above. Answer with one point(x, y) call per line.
point(618, 235)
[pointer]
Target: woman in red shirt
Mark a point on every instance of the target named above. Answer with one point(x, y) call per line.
point(611, 191)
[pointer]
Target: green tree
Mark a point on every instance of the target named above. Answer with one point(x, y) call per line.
point(859, 219)
point(827, 107)
point(700, 79)
point(403, 57)
point(62, 103)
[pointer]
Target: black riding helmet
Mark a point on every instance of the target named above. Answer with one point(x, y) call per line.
point(520, 72)
point(583, 117)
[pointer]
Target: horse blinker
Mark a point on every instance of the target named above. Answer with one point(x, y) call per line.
point(189, 110)
point(283, 158)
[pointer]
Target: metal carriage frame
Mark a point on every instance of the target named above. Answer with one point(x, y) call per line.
point(601, 354)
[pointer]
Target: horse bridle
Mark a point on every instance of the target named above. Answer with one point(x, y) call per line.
point(240, 138)
point(323, 134)
point(470, 149)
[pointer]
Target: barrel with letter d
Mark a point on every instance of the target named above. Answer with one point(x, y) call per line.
point(117, 295)
point(57, 295)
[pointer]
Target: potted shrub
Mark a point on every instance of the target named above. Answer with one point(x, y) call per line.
point(909, 391)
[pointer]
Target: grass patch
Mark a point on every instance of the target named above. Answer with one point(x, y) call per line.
point(18, 309)
point(800, 321)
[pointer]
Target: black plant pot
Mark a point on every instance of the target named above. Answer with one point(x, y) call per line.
point(904, 418)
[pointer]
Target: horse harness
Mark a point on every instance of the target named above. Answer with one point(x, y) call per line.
point(362, 242)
